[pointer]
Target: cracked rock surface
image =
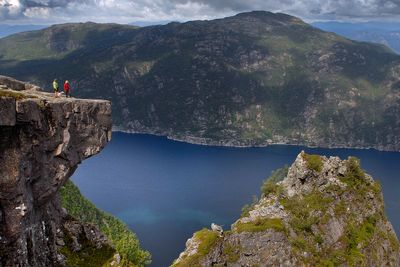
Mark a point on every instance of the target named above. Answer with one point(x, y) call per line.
point(42, 141)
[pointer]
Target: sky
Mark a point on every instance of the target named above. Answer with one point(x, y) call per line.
point(153, 11)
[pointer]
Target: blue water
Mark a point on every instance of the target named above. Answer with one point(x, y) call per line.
point(166, 190)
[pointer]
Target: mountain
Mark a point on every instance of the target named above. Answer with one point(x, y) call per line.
point(319, 212)
point(253, 79)
point(6, 30)
point(381, 33)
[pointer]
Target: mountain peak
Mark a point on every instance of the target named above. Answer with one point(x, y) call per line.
point(267, 15)
point(254, 79)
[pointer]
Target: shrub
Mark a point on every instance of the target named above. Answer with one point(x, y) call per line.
point(270, 186)
point(125, 241)
point(354, 175)
point(356, 180)
point(88, 256)
point(232, 253)
point(207, 240)
point(314, 162)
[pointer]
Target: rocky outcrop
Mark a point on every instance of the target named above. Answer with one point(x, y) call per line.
point(323, 212)
point(42, 141)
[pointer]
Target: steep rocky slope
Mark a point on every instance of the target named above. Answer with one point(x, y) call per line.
point(42, 140)
point(252, 79)
point(319, 212)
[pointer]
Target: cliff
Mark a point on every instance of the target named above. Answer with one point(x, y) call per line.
point(253, 79)
point(319, 212)
point(42, 141)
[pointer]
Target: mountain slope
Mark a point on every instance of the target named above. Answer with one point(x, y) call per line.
point(319, 212)
point(252, 79)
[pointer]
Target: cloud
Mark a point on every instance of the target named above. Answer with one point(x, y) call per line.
point(125, 11)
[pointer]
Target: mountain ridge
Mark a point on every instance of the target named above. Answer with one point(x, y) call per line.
point(253, 79)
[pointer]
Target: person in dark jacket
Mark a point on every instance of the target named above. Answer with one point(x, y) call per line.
point(67, 89)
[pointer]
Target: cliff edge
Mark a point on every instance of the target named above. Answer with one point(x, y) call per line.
point(42, 141)
point(319, 212)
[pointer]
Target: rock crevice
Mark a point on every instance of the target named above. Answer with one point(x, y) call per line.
point(42, 140)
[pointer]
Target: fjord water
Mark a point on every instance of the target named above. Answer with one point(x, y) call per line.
point(166, 190)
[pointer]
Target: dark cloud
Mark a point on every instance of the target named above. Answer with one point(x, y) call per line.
point(311, 9)
point(152, 10)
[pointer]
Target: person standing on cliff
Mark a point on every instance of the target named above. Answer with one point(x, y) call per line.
point(55, 87)
point(67, 88)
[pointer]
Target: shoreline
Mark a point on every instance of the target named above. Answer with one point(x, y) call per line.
point(207, 142)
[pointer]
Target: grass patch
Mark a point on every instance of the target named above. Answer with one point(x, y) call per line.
point(13, 94)
point(340, 208)
point(270, 185)
point(88, 256)
point(314, 162)
point(261, 225)
point(231, 253)
point(354, 176)
point(356, 180)
point(357, 237)
point(207, 240)
point(125, 241)
point(394, 242)
point(304, 210)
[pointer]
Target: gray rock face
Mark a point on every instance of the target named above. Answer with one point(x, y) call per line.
point(42, 141)
point(7, 111)
point(325, 212)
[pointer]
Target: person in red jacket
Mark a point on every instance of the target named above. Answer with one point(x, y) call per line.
point(66, 89)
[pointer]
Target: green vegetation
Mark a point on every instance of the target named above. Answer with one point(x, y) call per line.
point(314, 162)
point(231, 253)
point(13, 94)
point(270, 186)
point(233, 96)
point(357, 182)
point(394, 242)
point(88, 256)
point(311, 216)
point(306, 210)
point(125, 242)
point(260, 225)
point(207, 240)
point(354, 176)
point(357, 237)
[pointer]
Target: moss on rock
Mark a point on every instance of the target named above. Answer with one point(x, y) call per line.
point(261, 224)
point(206, 240)
point(314, 162)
